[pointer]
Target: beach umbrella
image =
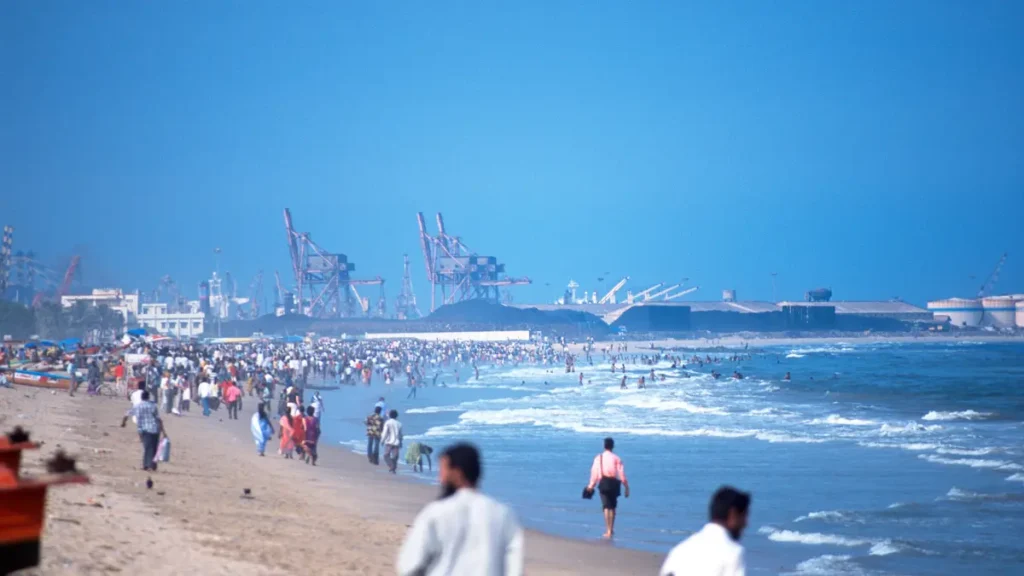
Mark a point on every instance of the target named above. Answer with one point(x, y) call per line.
point(30, 345)
point(47, 343)
point(137, 332)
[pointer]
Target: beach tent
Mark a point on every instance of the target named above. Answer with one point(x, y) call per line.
point(136, 332)
point(47, 343)
point(69, 343)
point(30, 345)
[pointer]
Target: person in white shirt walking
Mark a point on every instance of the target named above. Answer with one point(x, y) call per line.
point(465, 533)
point(715, 550)
point(391, 438)
point(205, 391)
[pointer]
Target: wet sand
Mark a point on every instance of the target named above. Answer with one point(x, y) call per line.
point(342, 517)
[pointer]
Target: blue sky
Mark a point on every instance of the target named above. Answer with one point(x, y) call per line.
point(873, 147)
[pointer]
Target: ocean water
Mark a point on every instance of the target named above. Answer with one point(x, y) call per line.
point(873, 459)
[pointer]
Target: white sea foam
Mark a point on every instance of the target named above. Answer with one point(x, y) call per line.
point(911, 446)
point(837, 420)
point(966, 451)
point(972, 462)
point(823, 515)
point(828, 565)
point(433, 410)
point(823, 350)
point(650, 402)
point(962, 415)
point(884, 548)
point(907, 429)
point(1015, 478)
point(782, 438)
point(795, 355)
point(811, 538)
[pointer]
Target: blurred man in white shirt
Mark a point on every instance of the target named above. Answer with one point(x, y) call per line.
point(465, 533)
point(715, 550)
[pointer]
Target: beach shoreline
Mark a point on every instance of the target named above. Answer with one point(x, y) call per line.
point(343, 516)
point(760, 340)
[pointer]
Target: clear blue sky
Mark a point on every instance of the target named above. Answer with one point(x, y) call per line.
point(874, 147)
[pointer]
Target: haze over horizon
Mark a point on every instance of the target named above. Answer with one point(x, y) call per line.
point(871, 148)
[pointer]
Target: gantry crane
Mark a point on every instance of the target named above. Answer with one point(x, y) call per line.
point(456, 271)
point(322, 279)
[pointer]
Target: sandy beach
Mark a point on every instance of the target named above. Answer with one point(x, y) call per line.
point(342, 517)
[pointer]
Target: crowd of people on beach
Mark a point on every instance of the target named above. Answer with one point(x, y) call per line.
point(284, 381)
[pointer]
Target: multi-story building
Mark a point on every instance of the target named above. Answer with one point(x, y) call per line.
point(179, 324)
point(125, 303)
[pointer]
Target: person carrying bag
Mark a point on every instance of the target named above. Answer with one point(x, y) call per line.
point(608, 476)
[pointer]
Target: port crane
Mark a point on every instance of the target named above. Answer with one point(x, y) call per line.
point(678, 295)
point(456, 271)
point(990, 282)
point(324, 275)
point(609, 298)
point(643, 294)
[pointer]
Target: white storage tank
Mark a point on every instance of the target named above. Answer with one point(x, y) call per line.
point(962, 312)
point(999, 311)
point(1020, 313)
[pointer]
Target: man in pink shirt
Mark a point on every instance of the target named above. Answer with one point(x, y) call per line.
point(233, 398)
point(608, 475)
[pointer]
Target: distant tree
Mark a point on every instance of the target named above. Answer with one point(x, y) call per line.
point(16, 320)
point(51, 321)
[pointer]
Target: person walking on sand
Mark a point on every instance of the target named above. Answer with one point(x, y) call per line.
point(608, 476)
point(312, 435)
point(286, 432)
point(391, 438)
point(150, 426)
point(205, 390)
point(715, 550)
point(464, 532)
point(374, 424)
point(233, 398)
point(261, 428)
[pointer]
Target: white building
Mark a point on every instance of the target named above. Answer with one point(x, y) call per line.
point(114, 298)
point(178, 324)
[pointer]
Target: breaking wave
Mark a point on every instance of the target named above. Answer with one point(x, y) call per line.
point(962, 415)
point(837, 420)
point(908, 428)
point(824, 515)
point(828, 565)
point(811, 538)
point(972, 462)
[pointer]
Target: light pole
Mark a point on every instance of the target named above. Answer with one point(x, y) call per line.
point(216, 266)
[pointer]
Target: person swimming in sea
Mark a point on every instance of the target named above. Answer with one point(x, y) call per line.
point(736, 375)
point(786, 377)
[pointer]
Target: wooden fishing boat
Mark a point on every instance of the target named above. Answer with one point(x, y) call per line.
point(40, 379)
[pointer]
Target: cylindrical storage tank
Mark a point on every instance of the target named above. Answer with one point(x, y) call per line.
point(962, 312)
point(1020, 313)
point(1000, 311)
point(728, 295)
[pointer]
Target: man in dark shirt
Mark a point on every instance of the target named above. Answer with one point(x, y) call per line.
point(374, 423)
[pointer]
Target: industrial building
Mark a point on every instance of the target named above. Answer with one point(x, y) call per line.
point(1002, 312)
point(754, 316)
